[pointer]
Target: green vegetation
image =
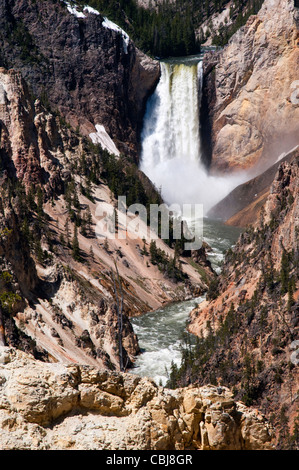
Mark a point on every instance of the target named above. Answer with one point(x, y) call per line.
point(240, 11)
point(213, 290)
point(6, 278)
point(31, 218)
point(166, 31)
point(285, 271)
point(20, 39)
point(170, 266)
point(124, 179)
point(174, 28)
point(75, 245)
point(7, 300)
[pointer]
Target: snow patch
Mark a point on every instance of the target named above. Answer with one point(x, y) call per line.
point(73, 10)
point(91, 10)
point(101, 137)
point(114, 27)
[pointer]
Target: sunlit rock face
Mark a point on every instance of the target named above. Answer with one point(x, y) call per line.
point(54, 406)
point(251, 92)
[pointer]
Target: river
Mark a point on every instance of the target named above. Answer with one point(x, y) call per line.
point(160, 332)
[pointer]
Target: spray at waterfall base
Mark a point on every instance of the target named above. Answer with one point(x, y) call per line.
point(179, 222)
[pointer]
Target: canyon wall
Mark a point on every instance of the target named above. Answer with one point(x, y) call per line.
point(83, 68)
point(250, 105)
point(250, 316)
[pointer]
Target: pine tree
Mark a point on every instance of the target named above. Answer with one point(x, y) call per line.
point(106, 245)
point(115, 213)
point(26, 231)
point(284, 272)
point(67, 232)
point(31, 198)
point(75, 245)
point(39, 251)
point(40, 200)
point(76, 202)
point(291, 300)
point(83, 226)
point(153, 252)
point(88, 221)
point(144, 250)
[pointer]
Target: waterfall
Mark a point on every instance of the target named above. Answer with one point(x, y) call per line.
point(172, 123)
point(171, 150)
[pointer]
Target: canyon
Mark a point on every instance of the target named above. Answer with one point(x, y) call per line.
point(74, 91)
point(63, 299)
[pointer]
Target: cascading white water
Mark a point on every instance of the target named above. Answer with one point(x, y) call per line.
point(172, 123)
point(171, 150)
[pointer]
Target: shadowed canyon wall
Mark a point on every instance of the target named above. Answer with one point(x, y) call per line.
point(79, 67)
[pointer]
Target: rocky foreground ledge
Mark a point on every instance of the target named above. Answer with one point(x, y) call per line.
point(57, 407)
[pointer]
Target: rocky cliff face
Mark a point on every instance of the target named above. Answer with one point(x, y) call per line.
point(250, 318)
point(250, 108)
point(29, 135)
point(52, 406)
point(80, 67)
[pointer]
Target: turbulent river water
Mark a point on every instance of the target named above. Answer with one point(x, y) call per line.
point(171, 158)
point(160, 332)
